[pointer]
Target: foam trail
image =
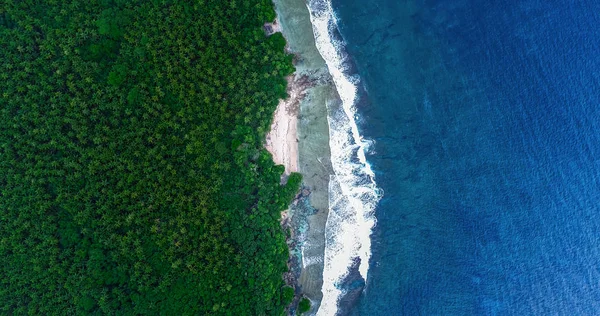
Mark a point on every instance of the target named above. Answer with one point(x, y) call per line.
point(353, 194)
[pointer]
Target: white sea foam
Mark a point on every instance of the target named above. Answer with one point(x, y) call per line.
point(353, 194)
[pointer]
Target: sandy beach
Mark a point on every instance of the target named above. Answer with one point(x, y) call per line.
point(282, 139)
point(299, 140)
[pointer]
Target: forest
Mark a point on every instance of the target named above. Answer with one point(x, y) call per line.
point(133, 178)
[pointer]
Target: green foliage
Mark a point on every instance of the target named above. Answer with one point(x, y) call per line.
point(287, 295)
point(132, 174)
point(117, 76)
point(277, 40)
point(112, 22)
point(304, 305)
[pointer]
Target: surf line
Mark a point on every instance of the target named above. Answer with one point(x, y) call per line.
point(353, 194)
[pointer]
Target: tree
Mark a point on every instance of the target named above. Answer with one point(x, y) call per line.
point(303, 306)
point(132, 179)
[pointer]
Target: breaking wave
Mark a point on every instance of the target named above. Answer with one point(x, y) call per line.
point(353, 194)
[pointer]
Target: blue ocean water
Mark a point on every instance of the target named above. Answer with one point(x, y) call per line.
point(486, 118)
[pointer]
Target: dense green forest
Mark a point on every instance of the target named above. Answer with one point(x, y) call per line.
point(133, 178)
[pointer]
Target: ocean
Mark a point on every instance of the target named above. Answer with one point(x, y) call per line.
point(466, 156)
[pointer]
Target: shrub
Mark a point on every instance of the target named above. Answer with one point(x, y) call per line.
point(304, 305)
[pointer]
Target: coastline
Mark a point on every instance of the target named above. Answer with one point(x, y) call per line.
point(332, 226)
point(282, 139)
point(299, 140)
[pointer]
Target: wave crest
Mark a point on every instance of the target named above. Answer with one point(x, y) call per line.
point(353, 194)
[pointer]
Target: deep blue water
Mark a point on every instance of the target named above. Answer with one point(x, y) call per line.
point(486, 117)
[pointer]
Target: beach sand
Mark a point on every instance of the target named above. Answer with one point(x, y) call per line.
point(299, 140)
point(282, 139)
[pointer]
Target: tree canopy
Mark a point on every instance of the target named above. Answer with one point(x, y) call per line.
point(133, 178)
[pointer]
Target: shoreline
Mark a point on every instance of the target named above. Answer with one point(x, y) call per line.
point(282, 138)
point(327, 249)
point(299, 140)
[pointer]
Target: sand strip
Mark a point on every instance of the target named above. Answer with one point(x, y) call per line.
point(282, 139)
